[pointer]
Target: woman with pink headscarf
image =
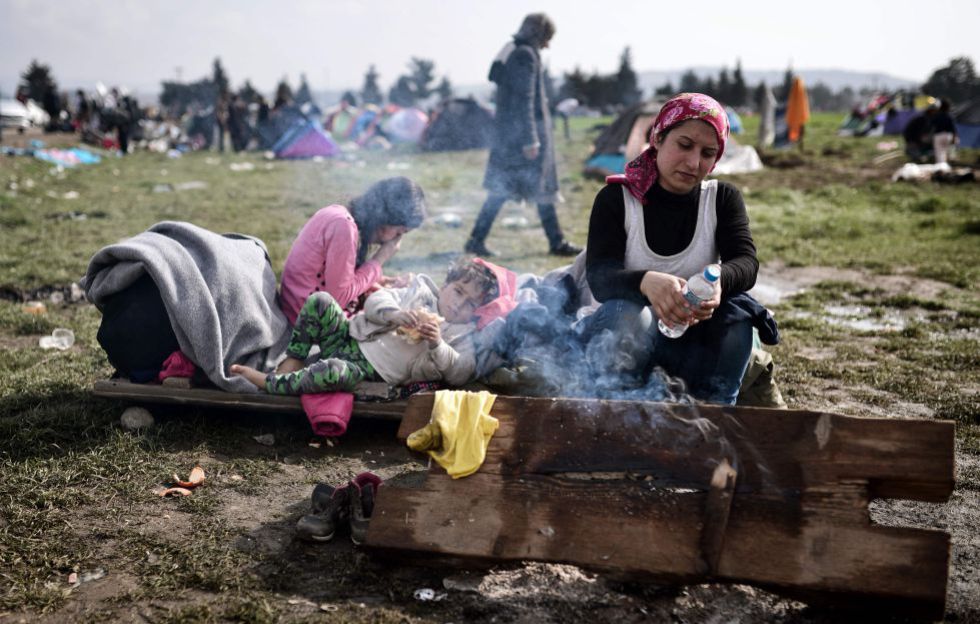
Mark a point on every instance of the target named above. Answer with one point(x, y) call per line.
point(656, 225)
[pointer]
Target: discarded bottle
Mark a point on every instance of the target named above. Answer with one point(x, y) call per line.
point(60, 338)
point(699, 288)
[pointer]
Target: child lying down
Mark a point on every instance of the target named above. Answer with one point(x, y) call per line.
point(411, 334)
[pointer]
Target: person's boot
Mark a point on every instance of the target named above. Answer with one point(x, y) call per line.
point(557, 245)
point(331, 508)
point(478, 248)
point(363, 492)
point(565, 248)
point(481, 229)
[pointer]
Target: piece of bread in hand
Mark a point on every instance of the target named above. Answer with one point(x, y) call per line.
point(411, 334)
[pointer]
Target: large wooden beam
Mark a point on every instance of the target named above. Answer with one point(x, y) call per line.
point(774, 498)
point(371, 400)
point(680, 445)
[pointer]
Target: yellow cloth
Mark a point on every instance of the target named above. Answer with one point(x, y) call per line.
point(797, 109)
point(459, 432)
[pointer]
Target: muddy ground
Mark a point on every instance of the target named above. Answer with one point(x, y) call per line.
point(338, 582)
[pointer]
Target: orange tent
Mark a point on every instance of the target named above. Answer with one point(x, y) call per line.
point(797, 109)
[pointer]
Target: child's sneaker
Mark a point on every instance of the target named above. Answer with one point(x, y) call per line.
point(331, 507)
point(363, 491)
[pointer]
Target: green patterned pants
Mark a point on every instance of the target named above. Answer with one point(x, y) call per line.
point(341, 366)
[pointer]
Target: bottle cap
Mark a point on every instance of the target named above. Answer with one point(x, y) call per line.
point(712, 272)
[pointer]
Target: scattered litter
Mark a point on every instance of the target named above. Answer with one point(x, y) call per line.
point(77, 293)
point(195, 479)
point(448, 219)
point(314, 443)
point(60, 338)
point(885, 146)
point(244, 166)
point(547, 531)
point(57, 297)
point(426, 595)
point(329, 608)
point(75, 579)
point(136, 418)
point(67, 157)
point(192, 185)
point(175, 491)
point(163, 188)
point(211, 160)
point(236, 478)
point(914, 172)
point(266, 439)
point(71, 195)
point(515, 223)
point(34, 307)
point(174, 153)
point(398, 166)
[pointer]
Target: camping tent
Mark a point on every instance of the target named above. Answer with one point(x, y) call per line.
point(902, 108)
point(626, 137)
point(405, 126)
point(305, 139)
point(458, 124)
point(967, 118)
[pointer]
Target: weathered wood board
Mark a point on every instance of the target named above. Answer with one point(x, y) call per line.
point(626, 487)
point(370, 399)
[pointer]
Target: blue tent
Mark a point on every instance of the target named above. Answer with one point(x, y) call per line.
point(305, 139)
point(967, 118)
point(734, 121)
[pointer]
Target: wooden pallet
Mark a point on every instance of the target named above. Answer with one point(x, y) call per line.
point(370, 399)
point(683, 494)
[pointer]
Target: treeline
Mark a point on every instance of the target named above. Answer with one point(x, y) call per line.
point(418, 84)
point(957, 81)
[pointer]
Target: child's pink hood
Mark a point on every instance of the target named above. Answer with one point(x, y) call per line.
point(505, 301)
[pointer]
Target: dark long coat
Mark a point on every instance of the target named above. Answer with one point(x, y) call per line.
point(522, 118)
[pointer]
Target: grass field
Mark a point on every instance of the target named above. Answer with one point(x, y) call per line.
point(880, 316)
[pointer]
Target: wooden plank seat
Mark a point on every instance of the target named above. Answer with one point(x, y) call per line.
point(372, 399)
point(685, 494)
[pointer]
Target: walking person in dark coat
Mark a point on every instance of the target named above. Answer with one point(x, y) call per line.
point(522, 155)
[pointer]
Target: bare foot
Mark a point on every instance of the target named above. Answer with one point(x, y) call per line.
point(289, 365)
point(257, 378)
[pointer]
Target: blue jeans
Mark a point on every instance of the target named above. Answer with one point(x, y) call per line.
point(710, 357)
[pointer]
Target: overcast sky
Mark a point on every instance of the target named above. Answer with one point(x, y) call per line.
point(138, 43)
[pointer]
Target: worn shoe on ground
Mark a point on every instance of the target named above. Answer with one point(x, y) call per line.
point(565, 248)
point(478, 248)
point(363, 492)
point(331, 509)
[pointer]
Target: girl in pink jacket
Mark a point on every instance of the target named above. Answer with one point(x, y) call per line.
point(331, 252)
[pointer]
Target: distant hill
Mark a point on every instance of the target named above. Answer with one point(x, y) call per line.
point(835, 79)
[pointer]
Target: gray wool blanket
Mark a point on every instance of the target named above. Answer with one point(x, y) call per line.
point(219, 291)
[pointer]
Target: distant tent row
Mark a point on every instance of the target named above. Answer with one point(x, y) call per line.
point(456, 124)
point(627, 136)
point(890, 113)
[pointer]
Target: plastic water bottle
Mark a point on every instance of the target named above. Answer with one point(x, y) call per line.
point(699, 288)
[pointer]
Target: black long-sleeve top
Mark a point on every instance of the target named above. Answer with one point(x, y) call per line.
point(669, 222)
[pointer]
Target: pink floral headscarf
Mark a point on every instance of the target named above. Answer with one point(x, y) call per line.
point(641, 173)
